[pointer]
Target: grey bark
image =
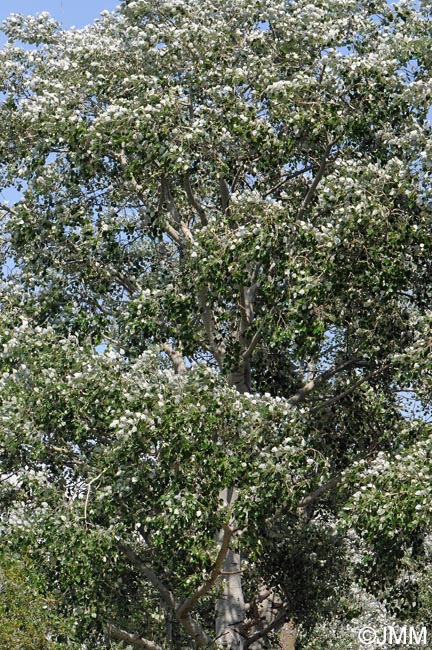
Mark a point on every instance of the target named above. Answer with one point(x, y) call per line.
point(230, 606)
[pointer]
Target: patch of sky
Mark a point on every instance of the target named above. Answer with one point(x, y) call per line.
point(70, 14)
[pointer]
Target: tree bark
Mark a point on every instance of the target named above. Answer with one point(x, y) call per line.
point(230, 606)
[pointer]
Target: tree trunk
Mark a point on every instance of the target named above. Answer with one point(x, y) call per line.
point(288, 636)
point(230, 607)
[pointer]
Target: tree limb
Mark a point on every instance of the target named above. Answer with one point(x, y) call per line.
point(288, 178)
point(252, 345)
point(307, 500)
point(176, 357)
point(192, 627)
point(187, 604)
point(312, 385)
point(224, 193)
point(166, 193)
point(278, 621)
point(195, 631)
point(194, 201)
point(208, 322)
point(337, 398)
point(320, 173)
point(86, 502)
point(172, 232)
point(132, 639)
point(316, 494)
point(165, 593)
point(247, 299)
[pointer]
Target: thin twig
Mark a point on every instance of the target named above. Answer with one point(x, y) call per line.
point(88, 493)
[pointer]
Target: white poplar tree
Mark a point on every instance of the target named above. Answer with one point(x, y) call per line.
point(216, 294)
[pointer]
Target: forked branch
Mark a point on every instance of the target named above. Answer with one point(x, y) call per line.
point(312, 385)
point(189, 624)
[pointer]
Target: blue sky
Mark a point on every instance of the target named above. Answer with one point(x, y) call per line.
point(68, 12)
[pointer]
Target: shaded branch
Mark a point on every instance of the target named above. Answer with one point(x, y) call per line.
point(90, 483)
point(132, 639)
point(99, 267)
point(337, 398)
point(195, 631)
point(218, 350)
point(172, 232)
point(166, 194)
point(192, 627)
point(312, 385)
point(247, 299)
point(9, 209)
point(187, 605)
point(165, 593)
point(224, 193)
point(277, 622)
point(194, 201)
point(252, 345)
point(323, 489)
point(320, 173)
point(288, 178)
point(237, 177)
point(125, 283)
point(306, 501)
point(72, 455)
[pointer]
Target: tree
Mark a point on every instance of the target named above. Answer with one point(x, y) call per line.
point(218, 290)
point(27, 619)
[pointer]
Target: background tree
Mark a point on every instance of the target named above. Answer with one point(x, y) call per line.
point(28, 618)
point(218, 290)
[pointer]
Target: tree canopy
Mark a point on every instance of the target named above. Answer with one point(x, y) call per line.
point(215, 319)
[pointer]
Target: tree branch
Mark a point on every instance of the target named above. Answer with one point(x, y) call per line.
point(307, 501)
point(192, 627)
point(320, 173)
point(187, 604)
point(166, 193)
point(252, 345)
point(337, 398)
point(110, 271)
point(172, 232)
point(224, 193)
point(288, 178)
point(247, 299)
point(176, 358)
point(86, 502)
point(316, 494)
point(312, 385)
point(208, 321)
point(165, 593)
point(195, 631)
point(194, 201)
point(132, 639)
point(278, 621)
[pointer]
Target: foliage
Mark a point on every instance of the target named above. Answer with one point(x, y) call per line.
point(28, 618)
